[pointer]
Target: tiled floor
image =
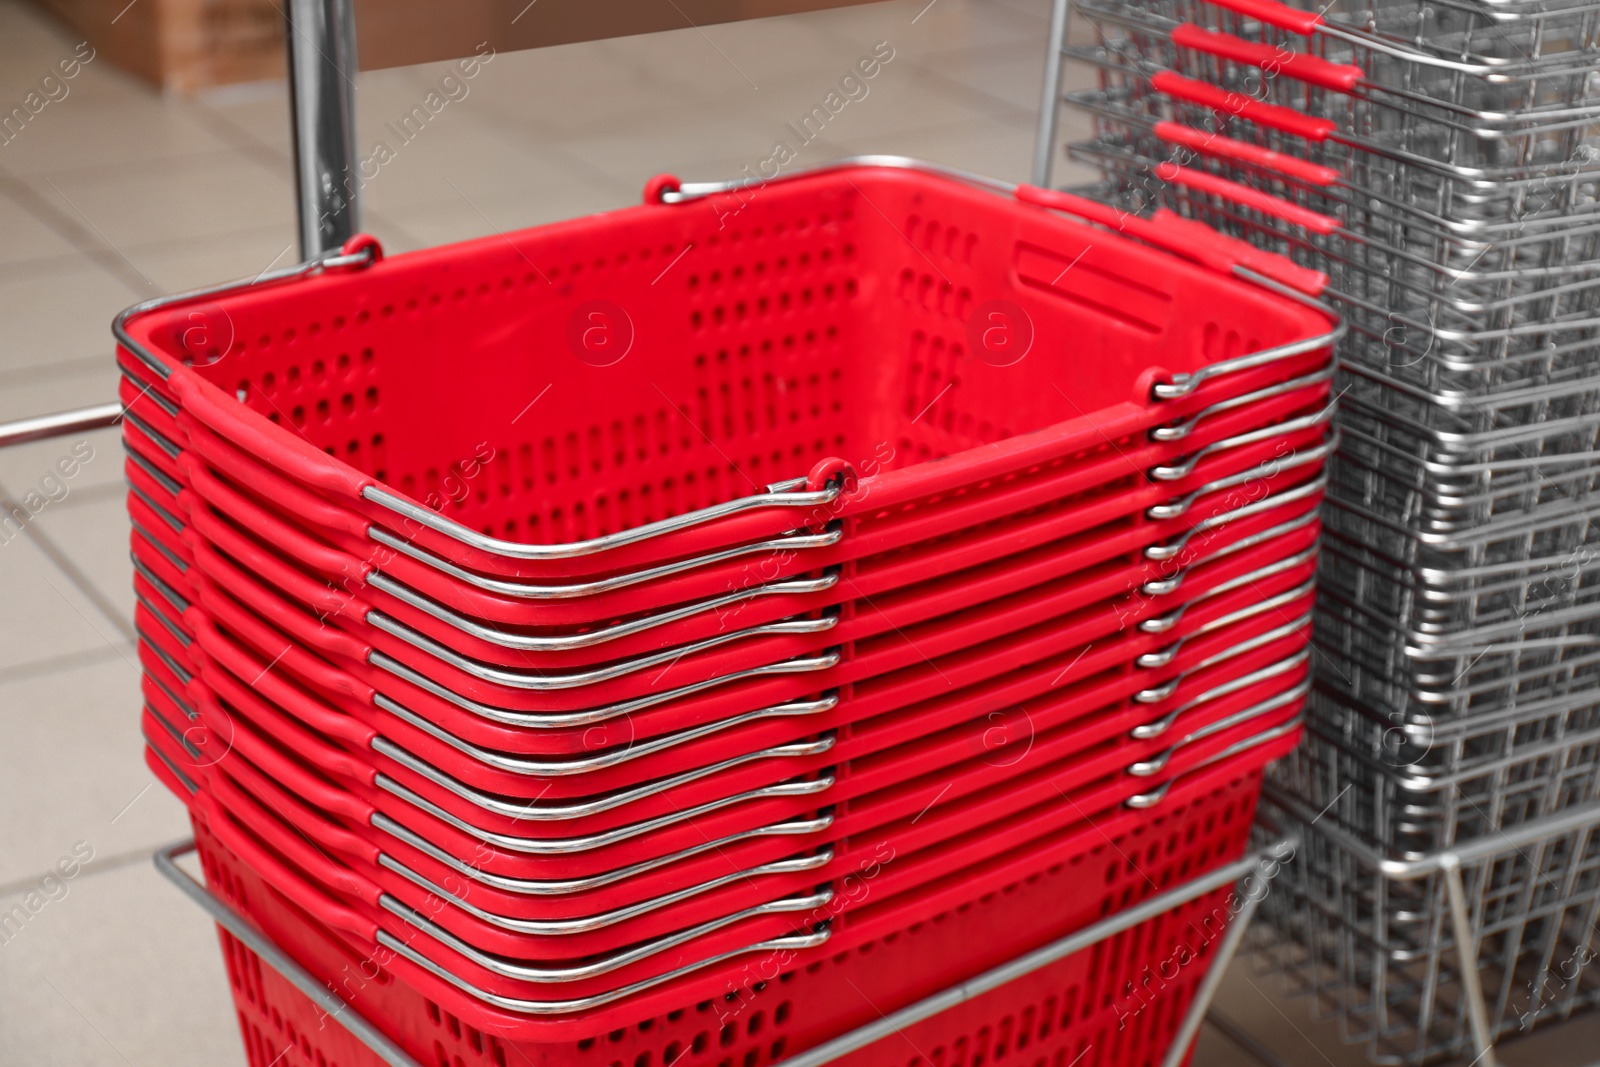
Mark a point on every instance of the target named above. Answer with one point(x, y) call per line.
point(115, 194)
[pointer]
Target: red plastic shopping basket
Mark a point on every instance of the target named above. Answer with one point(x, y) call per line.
point(1130, 854)
point(744, 364)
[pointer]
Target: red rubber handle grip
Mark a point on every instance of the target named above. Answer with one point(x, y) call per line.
point(267, 812)
point(1204, 246)
point(1219, 147)
point(1267, 264)
point(206, 526)
point(1284, 17)
point(216, 651)
point(1271, 58)
point(268, 641)
point(291, 883)
point(245, 743)
point(221, 608)
point(1273, 116)
point(255, 435)
point(268, 526)
point(294, 499)
point(1245, 196)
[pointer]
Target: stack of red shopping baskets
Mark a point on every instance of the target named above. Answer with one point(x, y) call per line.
point(685, 633)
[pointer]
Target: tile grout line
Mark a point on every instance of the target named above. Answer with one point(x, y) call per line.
point(46, 372)
point(74, 573)
point(114, 862)
point(64, 226)
point(38, 668)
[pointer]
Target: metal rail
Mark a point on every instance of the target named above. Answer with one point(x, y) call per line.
point(61, 424)
point(1234, 873)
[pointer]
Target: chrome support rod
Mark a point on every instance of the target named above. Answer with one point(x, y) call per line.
point(994, 978)
point(1050, 101)
point(60, 424)
point(1467, 953)
point(322, 70)
point(257, 942)
point(1250, 895)
point(224, 915)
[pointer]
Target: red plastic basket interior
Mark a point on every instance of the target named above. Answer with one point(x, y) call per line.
point(832, 317)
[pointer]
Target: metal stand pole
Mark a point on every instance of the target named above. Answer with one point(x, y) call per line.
point(1178, 1052)
point(1050, 104)
point(322, 68)
point(1467, 955)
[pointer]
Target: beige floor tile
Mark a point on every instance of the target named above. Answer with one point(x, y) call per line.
point(24, 465)
point(108, 131)
point(685, 142)
point(83, 778)
point(900, 97)
point(260, 110)
point(88, 535)
point(27, 239)
point(73, 383)
point(27, 33)
point(676, 141)
point(1002, 71)
point(562, 91)
point(734, 59)
point(924, 26)
point(57, 312)
point(46, 618)
point(460, 156)
point(121, 971)
point(214, 195)
point(174, 266)
point(459, 219)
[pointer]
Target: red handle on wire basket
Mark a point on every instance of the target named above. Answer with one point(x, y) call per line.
point(1271, 58)
point(1245, 196)
point(1273, 116)
point(1273, 13)
point(1219, 147)
point(1280, 269)
point(289, 882)
point(1191, 245)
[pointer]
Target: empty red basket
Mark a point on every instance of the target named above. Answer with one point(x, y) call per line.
point(408, 530)
point(832, 340)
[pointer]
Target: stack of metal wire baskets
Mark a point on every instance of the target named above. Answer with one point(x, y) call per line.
point(1439, 161)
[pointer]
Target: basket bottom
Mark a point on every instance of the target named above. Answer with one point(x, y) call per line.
point(1115, 1004)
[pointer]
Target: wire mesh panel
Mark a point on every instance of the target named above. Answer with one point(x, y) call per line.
point(1439, 161)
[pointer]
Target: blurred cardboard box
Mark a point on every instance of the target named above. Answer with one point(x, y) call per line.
point(181, 45)
point(185, 45)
